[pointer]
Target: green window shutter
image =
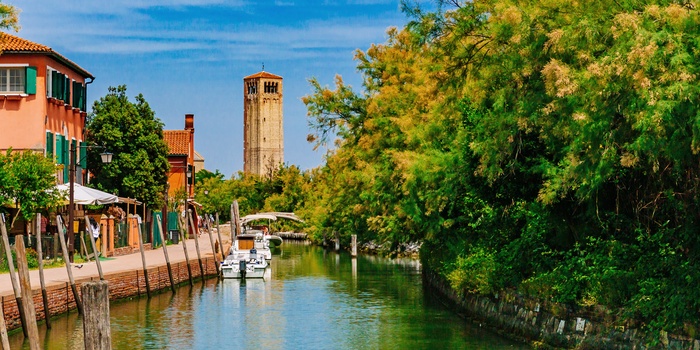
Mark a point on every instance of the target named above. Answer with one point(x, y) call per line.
point(59, 149)
point(61, 87)
point(30, 80)
point(66, 89)
point(76, 94)
point(66, 158)
point(53, 83)
point(83, 98)
point(57, 86)
point(83, 156)
point(49, 144)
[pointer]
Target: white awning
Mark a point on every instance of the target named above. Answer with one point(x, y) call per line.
point(86, 195)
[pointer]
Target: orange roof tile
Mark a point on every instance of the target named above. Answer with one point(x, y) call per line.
point(263, 74)
point(178, 141)
point(13, 44)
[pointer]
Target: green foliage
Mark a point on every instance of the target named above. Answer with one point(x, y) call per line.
point(27, 179)
point(472, 273)
point(9, 18)
point(134, 135)
point(201, 175)
point(285, 191)
point(546, 147)
point(32, 260)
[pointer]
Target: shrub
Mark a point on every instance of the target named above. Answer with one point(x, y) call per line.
point(472, 274)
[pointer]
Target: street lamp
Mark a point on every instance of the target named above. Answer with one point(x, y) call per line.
point(106, 158)
point(189, 180)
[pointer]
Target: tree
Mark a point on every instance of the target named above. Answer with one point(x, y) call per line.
point(547, 147)
point(135, 136)
point(9, 17)
point(205, 174)
point(27, 180)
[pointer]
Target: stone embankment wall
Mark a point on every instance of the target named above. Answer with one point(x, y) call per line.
point(121, 285)
point(552, 325)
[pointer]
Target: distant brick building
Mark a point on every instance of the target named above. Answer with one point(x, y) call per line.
point(181, 158)
point(263, 131)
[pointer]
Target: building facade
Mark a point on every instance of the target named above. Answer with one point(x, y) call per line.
point(181, 157)
point(263, 131)
point(43, 99)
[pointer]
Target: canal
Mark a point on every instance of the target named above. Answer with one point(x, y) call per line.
point(311, 299)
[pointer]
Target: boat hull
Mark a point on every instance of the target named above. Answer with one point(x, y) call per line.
point(243, 266)
point(231, 272)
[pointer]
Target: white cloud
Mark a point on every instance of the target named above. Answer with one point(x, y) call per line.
point(138, 33)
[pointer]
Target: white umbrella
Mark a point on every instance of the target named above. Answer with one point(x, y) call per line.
point(86, 195)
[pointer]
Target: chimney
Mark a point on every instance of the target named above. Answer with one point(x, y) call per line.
point(189, 121)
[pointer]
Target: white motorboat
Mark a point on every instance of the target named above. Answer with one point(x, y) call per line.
point(247, 241)
point(244, 265)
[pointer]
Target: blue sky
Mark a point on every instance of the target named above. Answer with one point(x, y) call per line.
point(190, 56)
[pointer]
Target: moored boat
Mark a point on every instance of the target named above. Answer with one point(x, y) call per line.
point(247, 241)
point(244, 265)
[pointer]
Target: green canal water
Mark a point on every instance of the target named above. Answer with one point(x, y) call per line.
point(311, 299)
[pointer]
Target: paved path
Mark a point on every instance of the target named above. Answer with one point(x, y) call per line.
point(123, 263)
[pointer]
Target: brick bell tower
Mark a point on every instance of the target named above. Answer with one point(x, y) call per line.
point(263, 131)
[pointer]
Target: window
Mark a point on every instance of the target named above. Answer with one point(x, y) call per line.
point(49, 144)
point(79, 92)
point(58, 85)
point(252, 87)
point(18, 80)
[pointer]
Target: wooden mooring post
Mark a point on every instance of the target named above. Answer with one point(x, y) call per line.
point(143, 262)
point(40, 258)
point(3, 330)
point(232, 233)
point(165, 252)
point(27, 300)
point(235, 220)
point(97, 333)
point(221, 242)
point(13, 275)
point(211, 241)
point(76, 296)
point(183, 235)
point(353, 252)
point(196, 242)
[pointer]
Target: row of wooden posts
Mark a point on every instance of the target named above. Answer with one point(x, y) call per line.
point(94, 306)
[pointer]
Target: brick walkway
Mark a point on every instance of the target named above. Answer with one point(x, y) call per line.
point(124, 263)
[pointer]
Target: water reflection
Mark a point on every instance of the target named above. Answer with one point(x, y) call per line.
point(309, 299)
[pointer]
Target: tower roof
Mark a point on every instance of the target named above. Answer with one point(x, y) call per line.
point(13, 44)
point(263, 74)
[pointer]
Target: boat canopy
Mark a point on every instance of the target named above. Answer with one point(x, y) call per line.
point(270, 216)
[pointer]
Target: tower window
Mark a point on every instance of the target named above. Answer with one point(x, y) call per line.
point(252, 87)
point(270, 87)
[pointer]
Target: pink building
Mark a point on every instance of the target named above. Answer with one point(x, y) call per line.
point(43, 101)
